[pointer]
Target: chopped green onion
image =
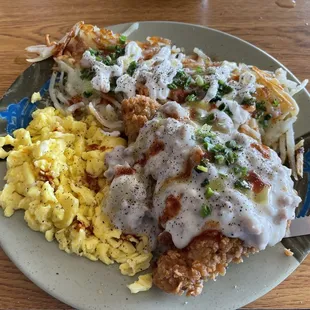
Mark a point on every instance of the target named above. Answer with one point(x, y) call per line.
point(205, 211)
point(261, 106)
point(275, 103)
point(87, 94)
point(172, 86)
point(204, 132)
point(191, 98)
point(199, 70)
point(209, 192)
point(93, 52)
point(200, 168)
point(205, 182)
point(122, 39)
point(87, 74)
point(210, 119)
point(206, 86)
point(218, 148)
point(228, 112)
point(242, 184)
point(219, 159)
point(131, 68)
point(223, 175)
point(181, 80)
point(231, 157)
point(187, 82)
point(240, 172)
point(267, 117)
point(199, 80)
point(223, 89)
point(232, 144)
point(248, 101)
point(222, 106)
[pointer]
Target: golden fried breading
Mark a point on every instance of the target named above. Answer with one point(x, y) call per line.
point(136, 112)
point(207, 256)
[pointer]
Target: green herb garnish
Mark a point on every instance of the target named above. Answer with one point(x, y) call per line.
point(248, 101)
point(206, 86)
point(205, 182)
point(240, 171)
point(231, 157)
point(205, 211)
point(275, 103)
point(191, 98)
point(223, 89)
point(199, 80)
point(261, 106)
point(87, 74)
point(181, 80)
point(242, 184)
point(204, 132)
point(122, 39)
point(93, 52)
point(224, 108)
point(219, 159)
point(209, 192)
point(199, 70)
point(87, 94)
point(210, 119)
point(200, 168)
point(131, 68)
point(232, 144)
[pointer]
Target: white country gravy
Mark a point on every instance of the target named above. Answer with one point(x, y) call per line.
point(243, 189)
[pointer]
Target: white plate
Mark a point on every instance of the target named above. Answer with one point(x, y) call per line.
point(92, 285)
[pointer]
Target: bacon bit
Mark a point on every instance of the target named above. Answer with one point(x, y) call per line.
point(156, 147)
point(92, 182)
point(178, 95)
point(212, 106)
point(193, 113)
point(93, 147)
point(124, 171)
point(193, 160)
point(263, 149)
point(257, 184)
point(288, 252)
point(80, 225)
point(45, 176)
point(235, 77)
point(172, 208)
point(75, 99)
point(165, 238)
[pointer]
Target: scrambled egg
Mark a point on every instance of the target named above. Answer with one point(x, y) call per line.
point(144, 283)
point(55, 173)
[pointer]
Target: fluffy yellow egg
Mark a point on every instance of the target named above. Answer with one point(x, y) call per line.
point(55, 173)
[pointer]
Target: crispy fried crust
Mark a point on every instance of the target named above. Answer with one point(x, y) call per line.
point(136, 112)
point(178, 271)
